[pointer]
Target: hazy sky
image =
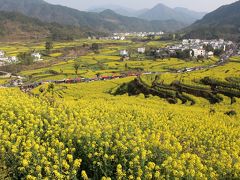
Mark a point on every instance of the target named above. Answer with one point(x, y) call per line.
point(199, 5)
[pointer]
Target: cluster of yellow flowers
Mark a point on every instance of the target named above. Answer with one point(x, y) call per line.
point(30, 139)
point(125, 138)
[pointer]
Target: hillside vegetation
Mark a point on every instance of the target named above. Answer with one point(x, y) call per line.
point(221, 23)
point(15, 26)
point(104, 22)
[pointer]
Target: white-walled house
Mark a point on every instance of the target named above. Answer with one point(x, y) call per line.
point(141, 50)
point(2, 54)
point(7, 60)
point(210, 54)
point(36, 56)
point(185, 41)
point(3, 58)
point(13, 59)
point(124, 53)
point(2, 63)
point(118, 38)
point(197, 52)
point(122, 38)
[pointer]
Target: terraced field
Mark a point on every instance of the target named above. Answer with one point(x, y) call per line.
point(217, 84)
point(108, 62)
point(14, 48)
point(89, 132)
point(157, 126)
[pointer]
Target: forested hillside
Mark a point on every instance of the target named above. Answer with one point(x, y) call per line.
point(15, 26)
point(221, 23)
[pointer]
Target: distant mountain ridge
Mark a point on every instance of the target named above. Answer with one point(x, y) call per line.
point(158, 12)
point(124, 11)
point(118, 23)
point(194, 14)
point(221, 23)
point(163, 12)
point(99, 22)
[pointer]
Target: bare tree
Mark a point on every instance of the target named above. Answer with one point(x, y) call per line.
point(76, 67)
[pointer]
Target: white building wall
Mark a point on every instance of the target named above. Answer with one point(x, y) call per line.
point(198, 52)
point(141, 50)
point(124, 53)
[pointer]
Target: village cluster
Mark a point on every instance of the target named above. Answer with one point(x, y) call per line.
point(195, 47)
point(123, 36)
point(138, 34)
point(5, 60)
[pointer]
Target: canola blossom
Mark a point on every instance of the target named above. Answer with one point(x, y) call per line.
point(115, 138)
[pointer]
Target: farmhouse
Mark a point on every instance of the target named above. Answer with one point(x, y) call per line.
point(2, 54)
point(124, 53)
point(118, 38)
point(36, 56)
point(177, 47)
point(185, 41)
point(3, 58)
point(6, 60)
point(141, 50)
point(197, 52)
point(2, 63)
point(210, 54)
point(12, 59)
point(122, 38)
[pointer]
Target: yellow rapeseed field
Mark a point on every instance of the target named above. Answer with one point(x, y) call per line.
point(93, 134)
